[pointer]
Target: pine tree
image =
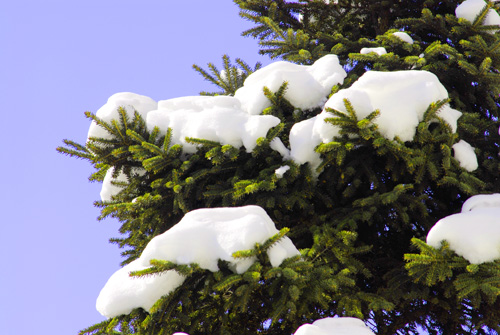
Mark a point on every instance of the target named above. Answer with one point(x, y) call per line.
point(359, 219)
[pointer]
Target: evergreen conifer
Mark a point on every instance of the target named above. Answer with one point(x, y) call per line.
point(360, 219)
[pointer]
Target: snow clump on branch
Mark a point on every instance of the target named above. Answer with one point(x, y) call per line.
point(203, 236)
point(402, 97)
point(130, 102)
point(465, 155)
point(470, 9)
point(206, 235)
point(109, 187)
point(335, 326)
point(403, 36)
point(379, 51)
point(123, 293)
point(474, 233)
point(219, 119)
point(308, 85)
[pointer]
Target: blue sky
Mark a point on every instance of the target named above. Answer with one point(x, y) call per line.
point(59, 59)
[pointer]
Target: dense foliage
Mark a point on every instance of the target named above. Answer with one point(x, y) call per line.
point(360, 219)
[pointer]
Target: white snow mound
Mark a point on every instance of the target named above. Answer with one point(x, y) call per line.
point(335, 326)
point(465, 155)
point(203, 236)
point(123, 293)
point(401, 96)
point(281, 171)
point(108, 189)
point(130, 102)
point(206, 235)
point(306, 135)
point(278, 145)
point(214, 118)
point(470, 9)
point(481, 201)
point(404, 37)
point(308, 85)
point(224, 76)
point(379, 51)
point(474, 233)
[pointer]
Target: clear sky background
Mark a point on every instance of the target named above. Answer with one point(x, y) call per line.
point(58, 59)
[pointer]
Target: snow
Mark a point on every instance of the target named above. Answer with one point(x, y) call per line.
point(306, 135)
point(131, 102)
point(379, 51)
point(313, 19)
point(335, 326)
point(214, 118)
point(203, 236)
point(308, 85)
point(470, 9)
point(404, 37)
point(123, 293)
point(401, 96)
point(330, 326)
point(481, 201)
point(224, 77)
point(108, 189)
point(474, 233)
point(465, 155)
point(277, 145)
point(281, 171)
